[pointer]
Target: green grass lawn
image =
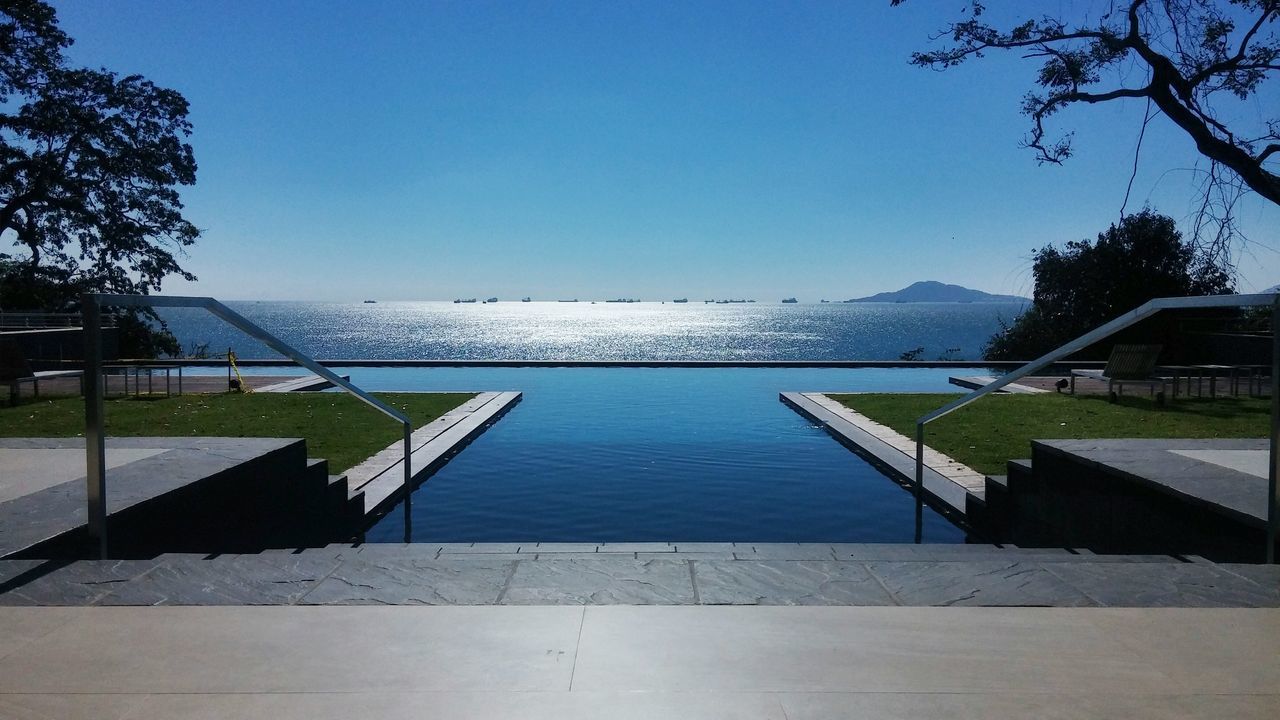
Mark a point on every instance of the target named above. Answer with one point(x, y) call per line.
point(337, 427)
point(998, 428)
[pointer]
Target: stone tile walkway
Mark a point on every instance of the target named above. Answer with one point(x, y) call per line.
point(646, 574)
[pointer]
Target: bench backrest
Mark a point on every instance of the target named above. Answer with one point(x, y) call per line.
point(13, 363)
point(1132, 362)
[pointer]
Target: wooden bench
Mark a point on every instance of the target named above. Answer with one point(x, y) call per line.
point(15, 370)
point(1128, 365)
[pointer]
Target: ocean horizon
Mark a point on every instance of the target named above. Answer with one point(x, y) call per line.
point(651, 331)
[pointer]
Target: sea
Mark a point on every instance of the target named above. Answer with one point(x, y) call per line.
point(601, 331)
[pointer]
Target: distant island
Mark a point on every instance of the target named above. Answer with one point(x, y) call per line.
point(932, 291)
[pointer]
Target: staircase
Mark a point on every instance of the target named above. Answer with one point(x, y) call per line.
point(1125, 506)
point(214, 496)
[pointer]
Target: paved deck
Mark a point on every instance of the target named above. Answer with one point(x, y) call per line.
point(638, 662)
point(646, 574)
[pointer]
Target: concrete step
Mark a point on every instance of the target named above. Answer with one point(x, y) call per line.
point(338, 491)
point(996, 508)
point(1018, 471)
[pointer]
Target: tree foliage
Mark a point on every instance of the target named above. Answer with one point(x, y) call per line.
point(1085, 284)
point(90, 163)
point(1193, 60)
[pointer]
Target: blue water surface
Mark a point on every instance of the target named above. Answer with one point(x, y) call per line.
point(604, 331)
point(657, 454)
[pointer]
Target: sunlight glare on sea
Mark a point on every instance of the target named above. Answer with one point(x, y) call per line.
point(605, 331)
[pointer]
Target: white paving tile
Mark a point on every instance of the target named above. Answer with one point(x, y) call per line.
point(1203, 649)
point(69, 706)
point(635, 662)
point(1019, 706)
point(810, 649)
point(298, 649)
point(464, 706)
point(20, 626)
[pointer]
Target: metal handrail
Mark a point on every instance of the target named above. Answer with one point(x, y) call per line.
point(1136, 315)
point(95, 437)
point(45, 321)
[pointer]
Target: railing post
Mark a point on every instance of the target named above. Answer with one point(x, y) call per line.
point(94, 431)
point(1273, 471)
point(408, 483)
point(919, 488)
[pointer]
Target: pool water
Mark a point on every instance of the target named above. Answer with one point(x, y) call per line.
point(657, 454)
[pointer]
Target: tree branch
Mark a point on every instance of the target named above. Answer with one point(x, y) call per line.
point(1234, 62)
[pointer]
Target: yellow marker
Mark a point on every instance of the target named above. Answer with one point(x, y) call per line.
point(231, 358)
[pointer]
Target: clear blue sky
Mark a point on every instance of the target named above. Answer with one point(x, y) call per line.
point(429, 150)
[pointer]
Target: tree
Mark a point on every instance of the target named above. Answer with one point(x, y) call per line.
point(1195, 61)
point(1084, 284)
point(90, 162)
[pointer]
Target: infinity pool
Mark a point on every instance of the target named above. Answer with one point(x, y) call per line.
point(657, 454)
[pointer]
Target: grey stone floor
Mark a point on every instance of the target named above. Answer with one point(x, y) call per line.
point(646, 574)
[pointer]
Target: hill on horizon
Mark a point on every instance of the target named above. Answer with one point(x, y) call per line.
point(933, 291)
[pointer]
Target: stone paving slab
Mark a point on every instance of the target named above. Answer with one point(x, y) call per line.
point(784, 551)
point(1177, 585)
point(234, 580)
point(28, 470)
point(1268, 576)
point(707, 547)
point(563, 548)
point(981, 583)
point(1023, 705)
point(775, 582)
point(513, 574)
point(475, 580)
point(686, 556)
point(295, 649)
point(479, 548)
point(588, 556)
point(760, 663)
point(85, 582)
point(601, 582)
point(637, 547)
point(871, 552)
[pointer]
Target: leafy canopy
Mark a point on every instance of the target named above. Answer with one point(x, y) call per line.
point(1197, 62)
point(90, 165)
point(1085, 284)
